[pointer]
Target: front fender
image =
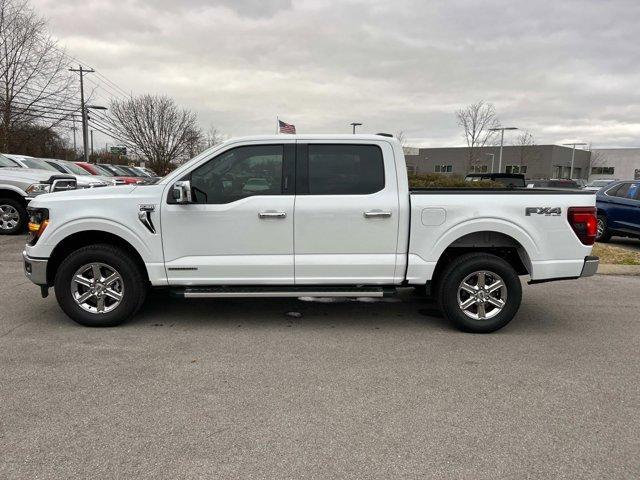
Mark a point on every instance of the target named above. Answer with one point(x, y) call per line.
point(50, 239)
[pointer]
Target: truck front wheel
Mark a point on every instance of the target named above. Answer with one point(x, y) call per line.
point(99, 286)
point(479, 292)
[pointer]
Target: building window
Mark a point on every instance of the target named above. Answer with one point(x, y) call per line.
point(516, 169)
point(479, 169)
point(443, 168)
point(602, 170)
point(412, 169)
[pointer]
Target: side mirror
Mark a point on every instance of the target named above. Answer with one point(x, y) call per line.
point(182, 192)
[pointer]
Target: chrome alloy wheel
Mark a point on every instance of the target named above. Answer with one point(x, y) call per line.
point(482, 295)
point(600, 228)
point(9, 217)
point(97, 288)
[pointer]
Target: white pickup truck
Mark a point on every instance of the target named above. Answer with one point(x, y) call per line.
point(305, 215)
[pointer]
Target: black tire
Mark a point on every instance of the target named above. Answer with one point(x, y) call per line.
point(134, 285)
point(604, 234)
point(23, 217)
point(461, 268)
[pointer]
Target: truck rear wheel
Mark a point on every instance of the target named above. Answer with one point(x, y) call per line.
point(13, 216)
point(479, 292)
point(99, 286)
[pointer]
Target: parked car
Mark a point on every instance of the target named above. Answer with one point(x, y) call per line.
point(618, 210)
point(18, 186)
point(596, 185)
point(339, 220)
point(25, 161)
point(122, 173)
point(83, 180)
point(581, 182)
point(64, 166)
point(148, 171)
point(508, 179)
point(553, 183)
point(94, 169)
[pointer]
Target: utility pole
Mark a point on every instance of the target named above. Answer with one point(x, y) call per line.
point(354, 125)
point(85, 134)
point(501, 129)
point(573, 154)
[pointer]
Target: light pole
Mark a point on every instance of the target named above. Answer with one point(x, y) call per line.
point(354, 125)
point(573, 154)
point(501, 129)
point(493, 156)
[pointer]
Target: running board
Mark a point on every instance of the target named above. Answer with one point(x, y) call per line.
point(276, 291)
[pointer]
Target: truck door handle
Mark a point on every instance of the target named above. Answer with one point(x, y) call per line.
point(377, 214)
point(272, 214)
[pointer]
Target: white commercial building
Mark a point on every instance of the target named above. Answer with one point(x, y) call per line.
point(615, 164)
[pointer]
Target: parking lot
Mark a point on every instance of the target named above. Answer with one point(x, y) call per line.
point(240, 389)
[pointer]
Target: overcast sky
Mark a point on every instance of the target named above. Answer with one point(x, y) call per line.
point(564, 70)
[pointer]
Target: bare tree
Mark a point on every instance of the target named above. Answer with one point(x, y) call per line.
point(476, 121)
point(402, 138)
point(156, 128)
point(527, 149)
point(212, 137)
point(596, 159)
point(35, 86)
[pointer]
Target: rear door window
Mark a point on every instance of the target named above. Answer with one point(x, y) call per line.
point(620, 191)
point(345, 169)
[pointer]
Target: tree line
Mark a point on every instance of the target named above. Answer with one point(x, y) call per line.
point(39, 102)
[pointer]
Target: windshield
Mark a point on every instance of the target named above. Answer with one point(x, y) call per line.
point(38, 164)
point(75, 169)
point(115, 170)
point(7, 162)
point(601, 183)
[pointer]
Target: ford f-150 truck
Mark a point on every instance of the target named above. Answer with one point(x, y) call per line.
point(334, 216)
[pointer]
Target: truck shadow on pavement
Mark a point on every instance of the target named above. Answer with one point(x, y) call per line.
point(407, 310)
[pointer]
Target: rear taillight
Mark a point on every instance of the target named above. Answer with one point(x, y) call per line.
point(584, 222)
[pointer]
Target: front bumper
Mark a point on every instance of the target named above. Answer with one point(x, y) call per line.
point(35, 269)
point(590, 266)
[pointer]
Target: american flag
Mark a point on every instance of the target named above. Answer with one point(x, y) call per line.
point(286, 127)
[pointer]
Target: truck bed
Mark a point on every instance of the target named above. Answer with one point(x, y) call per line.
point(534, 221)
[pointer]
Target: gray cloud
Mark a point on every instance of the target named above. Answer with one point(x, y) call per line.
point(563, 70)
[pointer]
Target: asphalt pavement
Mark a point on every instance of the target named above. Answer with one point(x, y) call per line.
point(240, 389)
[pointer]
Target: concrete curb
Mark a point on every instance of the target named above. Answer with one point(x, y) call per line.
point(610, 269)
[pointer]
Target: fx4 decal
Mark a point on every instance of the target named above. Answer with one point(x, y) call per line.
point(547, 211)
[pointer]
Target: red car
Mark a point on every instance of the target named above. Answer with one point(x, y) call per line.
point(98, 170)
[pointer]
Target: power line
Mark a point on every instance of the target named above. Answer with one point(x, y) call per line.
point(41, 106)
point(104, 78)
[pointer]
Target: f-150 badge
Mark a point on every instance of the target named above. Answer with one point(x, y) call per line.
point(547, 211)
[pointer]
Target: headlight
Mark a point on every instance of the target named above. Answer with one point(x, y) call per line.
point(38, 221)
point(38, 189)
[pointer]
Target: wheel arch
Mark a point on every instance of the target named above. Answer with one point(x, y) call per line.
point(495, 243)
point(81, 239)
point(7, 191)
